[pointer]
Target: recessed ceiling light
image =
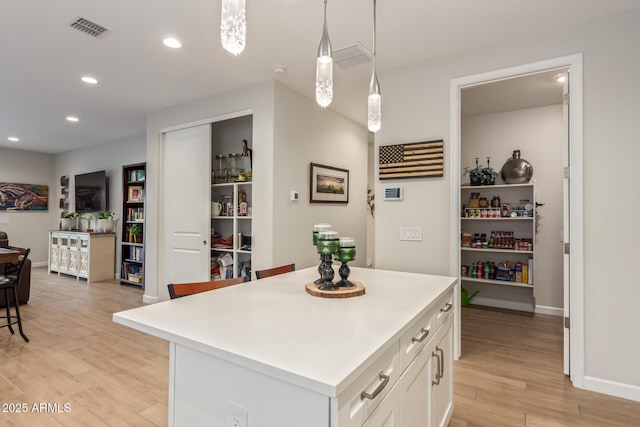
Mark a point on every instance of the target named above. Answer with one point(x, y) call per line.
point(560, 78)
point(13, 139)
point(73, 119)
point(172, 43)
point(90, 80)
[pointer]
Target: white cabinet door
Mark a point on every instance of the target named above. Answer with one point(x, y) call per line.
point(415, 390)
point(442, 375)
point(185, 200)
point(388, 413)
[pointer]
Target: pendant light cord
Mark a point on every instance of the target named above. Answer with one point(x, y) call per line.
point(374, 33)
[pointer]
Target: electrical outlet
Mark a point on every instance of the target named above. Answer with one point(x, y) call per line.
point(237, 416)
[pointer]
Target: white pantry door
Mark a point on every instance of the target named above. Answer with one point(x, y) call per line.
point(186, 204)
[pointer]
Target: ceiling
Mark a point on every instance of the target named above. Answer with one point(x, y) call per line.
point(43, 58)
point(535, 90)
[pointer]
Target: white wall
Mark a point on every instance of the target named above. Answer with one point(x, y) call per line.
point(538, 134)
point(28, 229)
point(109, 157)
point(307, 133)
point(416, 108)
point(257, 100)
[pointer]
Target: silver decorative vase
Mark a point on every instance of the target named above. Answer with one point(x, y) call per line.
point(516, 170)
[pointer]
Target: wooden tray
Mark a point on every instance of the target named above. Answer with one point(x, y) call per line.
point(355, 291)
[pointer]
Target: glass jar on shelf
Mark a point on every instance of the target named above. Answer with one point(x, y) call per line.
point(220, 169)
point(233, 167)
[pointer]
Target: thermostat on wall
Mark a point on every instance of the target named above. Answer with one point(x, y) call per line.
point(393, 193)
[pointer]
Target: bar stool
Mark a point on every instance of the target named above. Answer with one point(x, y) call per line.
point(13, 271)
point(268, 272)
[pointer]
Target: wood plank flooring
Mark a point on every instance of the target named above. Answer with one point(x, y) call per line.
point(510, 374)
point(108, 375)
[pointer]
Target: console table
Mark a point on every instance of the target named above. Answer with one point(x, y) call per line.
point(81, 254)
point(269, 352)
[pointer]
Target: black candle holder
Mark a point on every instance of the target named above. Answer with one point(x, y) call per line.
point(345, 254)
point(327, 274)
point(344, 272)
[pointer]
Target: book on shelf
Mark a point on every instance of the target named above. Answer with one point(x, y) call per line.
point(136, 175)
point(132, 272)
point(135, 214)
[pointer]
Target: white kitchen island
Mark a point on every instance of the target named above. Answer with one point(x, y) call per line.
point(271, 353)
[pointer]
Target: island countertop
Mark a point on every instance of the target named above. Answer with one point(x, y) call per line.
point(274, 327)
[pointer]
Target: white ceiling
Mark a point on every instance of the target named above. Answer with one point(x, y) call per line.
point(535, 90)
point(43, 58)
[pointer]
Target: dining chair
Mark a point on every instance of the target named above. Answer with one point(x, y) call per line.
point(178, 290)
point(10, 281)
point(261, 274)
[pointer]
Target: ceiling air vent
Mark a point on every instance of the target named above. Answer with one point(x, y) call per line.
point(354, 54)
point(90, 27)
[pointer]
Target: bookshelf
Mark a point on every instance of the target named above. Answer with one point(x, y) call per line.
point(133, 215)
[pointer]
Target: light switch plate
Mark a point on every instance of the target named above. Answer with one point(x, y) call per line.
point(413, 234)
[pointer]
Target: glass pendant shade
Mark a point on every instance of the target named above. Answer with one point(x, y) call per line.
point(375, 115)
point(233, 26)
point(324, 67)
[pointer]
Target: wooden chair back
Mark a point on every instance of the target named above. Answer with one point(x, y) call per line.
point(261, 274)
point(177, 290)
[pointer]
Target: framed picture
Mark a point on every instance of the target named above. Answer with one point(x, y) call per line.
point(328, 184)
point(135, 193)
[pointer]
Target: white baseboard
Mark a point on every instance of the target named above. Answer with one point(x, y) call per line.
point(612, 388)
point(553, 311)
point(39, 264)
point(498, 303)
point(150, 300)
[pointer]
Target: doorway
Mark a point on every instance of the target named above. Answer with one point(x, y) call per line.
point(573, 284)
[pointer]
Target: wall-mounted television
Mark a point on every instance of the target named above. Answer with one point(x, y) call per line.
point(92, 192)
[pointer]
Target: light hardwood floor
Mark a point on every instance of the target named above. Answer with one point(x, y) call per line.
point(510, 373)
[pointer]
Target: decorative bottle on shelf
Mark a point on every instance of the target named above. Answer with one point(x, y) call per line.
point(516, 170)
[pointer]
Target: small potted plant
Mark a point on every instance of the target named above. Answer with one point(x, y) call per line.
point(488, 175)
point(135, 233)
point(69, 221)
point(475, 175)
point(89, 219)
point(106, 221)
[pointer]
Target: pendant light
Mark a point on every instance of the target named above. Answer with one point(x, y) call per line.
point(233, 26)
point(374, 114)
point(324, 67)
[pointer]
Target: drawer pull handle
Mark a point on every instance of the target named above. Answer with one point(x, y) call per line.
point(376, 392)
point(447, 307)
point(437, 380)
point(425, 334)
point(441, 351)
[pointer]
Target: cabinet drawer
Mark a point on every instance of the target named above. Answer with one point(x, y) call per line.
point(418, 335)
point(376, 381)
point(443, 309)
point(422, 331)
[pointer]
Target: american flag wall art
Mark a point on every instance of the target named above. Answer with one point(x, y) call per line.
point(415, 160)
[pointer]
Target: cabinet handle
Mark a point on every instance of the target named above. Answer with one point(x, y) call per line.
point(441, 364)
point(437, 381)
point(376, 392)
point(425, 334)
point(204, 242)
point(447, 307)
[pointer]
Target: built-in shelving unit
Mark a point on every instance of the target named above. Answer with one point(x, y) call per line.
point(133, 216)
point(514, 217)
point(231, 225)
